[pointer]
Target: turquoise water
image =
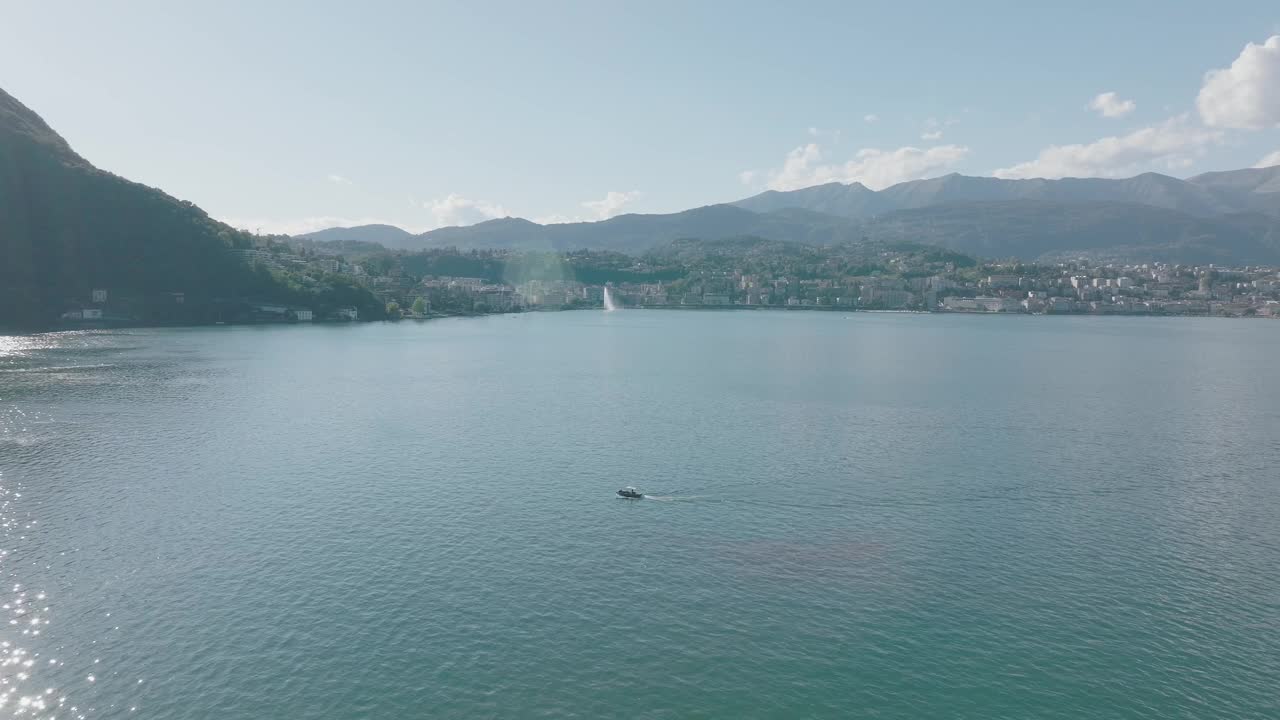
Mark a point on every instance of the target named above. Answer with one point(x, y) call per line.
point(891, 516)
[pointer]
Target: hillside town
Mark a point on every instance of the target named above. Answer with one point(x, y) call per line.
point(898, 279)
point(1136, 290)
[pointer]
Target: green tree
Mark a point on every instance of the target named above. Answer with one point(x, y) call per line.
point(419, 307)
point(393, 309)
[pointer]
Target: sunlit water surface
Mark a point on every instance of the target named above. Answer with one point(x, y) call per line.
point(894, 516)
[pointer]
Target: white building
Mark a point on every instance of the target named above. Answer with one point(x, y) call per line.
point(99, 296)
point(981, 304)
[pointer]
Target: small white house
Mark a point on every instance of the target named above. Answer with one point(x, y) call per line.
point(99, 296)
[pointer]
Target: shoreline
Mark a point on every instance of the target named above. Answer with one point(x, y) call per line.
point(13, 332)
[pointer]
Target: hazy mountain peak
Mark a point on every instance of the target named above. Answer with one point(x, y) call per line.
point(509, 220)
point(1202, 196)
point(386, 235)
point(1251, 180)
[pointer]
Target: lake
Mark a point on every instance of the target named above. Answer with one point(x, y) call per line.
point(849, 515)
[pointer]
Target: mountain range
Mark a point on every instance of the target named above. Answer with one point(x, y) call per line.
point(67, 227)
point(1227, 217)
point(1205, 195)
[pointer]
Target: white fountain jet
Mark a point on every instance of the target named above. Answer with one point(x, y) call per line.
point(608, 301)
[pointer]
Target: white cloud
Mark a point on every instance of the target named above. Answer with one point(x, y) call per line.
point(337, 179)
point(932, 135)
point(870, 117)
point(611, 204)
point(874, 168)
point(1269, 161)
point(453, 209)
point(1170, 145)
point(556, 219)
point(813, 131)
point(302, 226)
point(746, 177)
point(1247, 94)
point(1109, 104)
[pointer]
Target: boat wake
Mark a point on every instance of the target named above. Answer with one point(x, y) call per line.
point(673, 498)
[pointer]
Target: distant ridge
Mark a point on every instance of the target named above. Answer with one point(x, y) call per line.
point(632, 232)
point(1043, 230)
point(1258, 181)
point(1251, 190)
point(1216, 217)
point(388, 236)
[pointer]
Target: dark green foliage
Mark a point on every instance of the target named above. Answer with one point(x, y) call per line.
point(452, 263)
point(347, 248)
point(754, 255)
point(515, 267)
point(67, 228)
point(932, 254)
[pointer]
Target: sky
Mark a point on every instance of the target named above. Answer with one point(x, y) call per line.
point(292, 117)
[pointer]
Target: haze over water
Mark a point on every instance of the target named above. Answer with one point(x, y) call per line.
point(899, 516)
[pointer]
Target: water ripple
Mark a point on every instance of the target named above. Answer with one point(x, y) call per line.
point(413, 520)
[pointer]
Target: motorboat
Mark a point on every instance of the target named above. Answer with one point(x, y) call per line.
point(630, 492)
